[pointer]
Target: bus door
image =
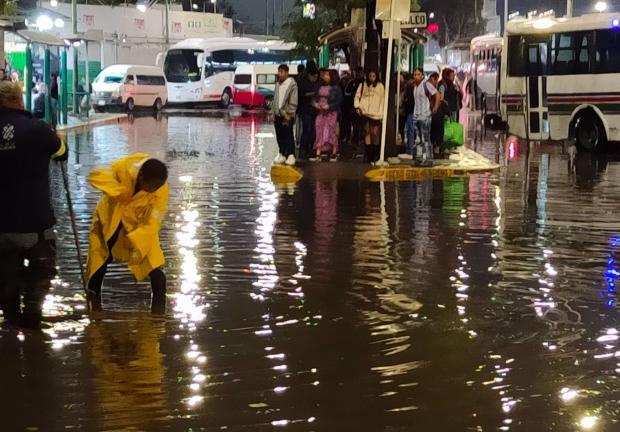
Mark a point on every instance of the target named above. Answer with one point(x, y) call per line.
point(537, 108)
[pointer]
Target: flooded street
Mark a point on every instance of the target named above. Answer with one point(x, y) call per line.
point(482, 303)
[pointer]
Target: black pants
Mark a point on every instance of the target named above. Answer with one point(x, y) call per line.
point(27, 264)
point(285, 136)
point(437, 131)
point(157, 276)
point(357, 135)
point(308, 133)
point(346, 123)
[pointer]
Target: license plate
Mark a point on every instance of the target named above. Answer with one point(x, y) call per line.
point(101, 102)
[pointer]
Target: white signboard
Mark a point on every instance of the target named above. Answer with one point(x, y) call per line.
point(402, 9)
point(416, 20)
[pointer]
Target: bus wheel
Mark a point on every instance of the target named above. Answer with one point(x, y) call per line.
point(226, 99)
point(589, 132)
point(158, 105)
point(131, 105)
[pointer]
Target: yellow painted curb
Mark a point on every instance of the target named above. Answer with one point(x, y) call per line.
point(284, 174)
point(414, 173)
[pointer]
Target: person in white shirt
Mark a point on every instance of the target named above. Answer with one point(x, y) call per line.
point(368, 102)
point(427, 103)
point(284, 110)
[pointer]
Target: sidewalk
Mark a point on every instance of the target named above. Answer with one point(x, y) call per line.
point(77, 123)
point(465, 162)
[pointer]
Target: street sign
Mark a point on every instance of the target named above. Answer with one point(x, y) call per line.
point(416, 20)
point(402, 9)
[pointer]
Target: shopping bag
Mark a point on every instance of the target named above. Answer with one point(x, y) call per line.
point(453, 134)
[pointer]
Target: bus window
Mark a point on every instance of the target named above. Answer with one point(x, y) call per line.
point(243, 79)
point(516, 56)
point(266, 78)
point(562, 54)
point(181, 66)
point(607, 49)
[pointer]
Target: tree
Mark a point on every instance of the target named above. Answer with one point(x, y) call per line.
point(457, 19)
point(330, 15)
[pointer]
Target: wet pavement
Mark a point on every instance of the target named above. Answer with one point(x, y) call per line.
point(479, 303)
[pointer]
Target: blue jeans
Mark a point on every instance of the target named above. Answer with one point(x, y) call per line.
point(423, 128)
point(410, 144)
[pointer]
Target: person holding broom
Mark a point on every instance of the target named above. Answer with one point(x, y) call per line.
point(126, 224)
point(27, 240)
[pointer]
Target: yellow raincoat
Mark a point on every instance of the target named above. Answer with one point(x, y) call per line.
point(141, 215)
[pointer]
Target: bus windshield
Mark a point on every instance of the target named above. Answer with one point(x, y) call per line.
point(181, 66)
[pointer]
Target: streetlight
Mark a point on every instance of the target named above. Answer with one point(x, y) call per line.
point(600, 7)
point(431, 15)
point(141, 8)
point(194, 6)
point(54, 3)
point(214, 2)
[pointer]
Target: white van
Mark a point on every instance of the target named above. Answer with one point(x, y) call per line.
point(255, 84)
point(129, 86)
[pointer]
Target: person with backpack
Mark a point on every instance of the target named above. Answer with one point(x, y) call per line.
point(427, 103)
point(451, 93)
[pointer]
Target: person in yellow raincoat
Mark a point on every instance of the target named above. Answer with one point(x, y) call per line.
point(126, 224)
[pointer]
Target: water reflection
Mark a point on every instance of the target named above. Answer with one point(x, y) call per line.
point(337, 304)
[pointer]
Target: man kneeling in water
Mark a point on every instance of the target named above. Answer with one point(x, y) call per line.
point(126, 224)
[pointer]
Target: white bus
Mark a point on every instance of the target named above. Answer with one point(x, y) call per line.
point(561, 79)
point(483, 84)
point(203, 70)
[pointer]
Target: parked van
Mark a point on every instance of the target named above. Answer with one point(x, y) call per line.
point(129, 86)
point(255, 84)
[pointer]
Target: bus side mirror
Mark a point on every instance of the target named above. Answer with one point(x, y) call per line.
point(200, 60)
point(158, 59)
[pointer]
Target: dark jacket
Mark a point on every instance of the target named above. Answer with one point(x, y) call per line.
point(350, 90)
point(26, 147)
point(451, 95)
point(307, 92)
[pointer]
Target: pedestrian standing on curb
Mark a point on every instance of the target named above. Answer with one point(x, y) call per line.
point(309, 86)
point(54, 99)
point(327, 103)
point(27, 240)
point(427, 102)
point(409, 108)
point(301, 74)
point(284, 110)
point(437, 121)
point(126, 224)
point(348, 106)
point(451, 93)
point(369, 101)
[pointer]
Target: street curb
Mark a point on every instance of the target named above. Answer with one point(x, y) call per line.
point(120, 118)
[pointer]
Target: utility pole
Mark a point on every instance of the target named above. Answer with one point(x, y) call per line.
point(76, 99)
point(266, 17)
point(167, 30)
point(569, 8)
point(273, 22)
point(506, 15)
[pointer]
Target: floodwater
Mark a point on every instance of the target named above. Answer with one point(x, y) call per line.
point(465, 304)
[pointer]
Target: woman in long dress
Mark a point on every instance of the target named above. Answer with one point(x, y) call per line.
point(327, 103)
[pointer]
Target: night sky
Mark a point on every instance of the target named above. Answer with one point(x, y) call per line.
point(252, 13)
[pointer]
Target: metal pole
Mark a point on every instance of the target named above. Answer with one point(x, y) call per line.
point(76, 98)
point(167, 30)
point(74, 16)
point(388, 76)
point(28, 77)
point(215, 6)
point(87, 75)
point(65, 87)
point(65, 179)
point(47, 79)
point(506, 15)
point(398, 86)
point(266, 17)
point(569, 8)
point(273, 23)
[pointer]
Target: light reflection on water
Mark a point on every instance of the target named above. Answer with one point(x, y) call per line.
point(482, 303)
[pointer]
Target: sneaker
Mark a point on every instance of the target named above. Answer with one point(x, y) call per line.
point(334, 158)
point(314, 159)
point(290, 161)
point(405, 156)
point(279, 159)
